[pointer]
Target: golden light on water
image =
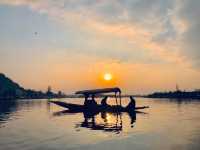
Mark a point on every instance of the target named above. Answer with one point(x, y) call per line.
point(107, 76)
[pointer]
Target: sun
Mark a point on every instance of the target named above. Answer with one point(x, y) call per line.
point(107, 76)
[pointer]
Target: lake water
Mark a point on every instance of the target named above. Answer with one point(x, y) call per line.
point(38, 125)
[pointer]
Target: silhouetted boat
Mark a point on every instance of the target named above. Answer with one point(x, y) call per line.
point(92, 106)
point(98, 107)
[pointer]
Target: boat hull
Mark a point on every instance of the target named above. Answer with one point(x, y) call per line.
point(97, 108)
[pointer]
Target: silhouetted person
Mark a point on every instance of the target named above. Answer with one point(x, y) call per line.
point(104, 101)
point(131, 105)
point(93, 101)
point(90, 104)
point(86, 98)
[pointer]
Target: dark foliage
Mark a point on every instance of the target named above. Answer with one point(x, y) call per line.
point(12, 90)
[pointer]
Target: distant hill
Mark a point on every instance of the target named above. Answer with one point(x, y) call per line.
point(8, 88)
point(11, 90)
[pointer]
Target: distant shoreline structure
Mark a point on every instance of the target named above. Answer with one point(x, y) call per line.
point(176, 95)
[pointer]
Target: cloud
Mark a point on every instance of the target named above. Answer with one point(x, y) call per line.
point(190, 13)
point(166, 30)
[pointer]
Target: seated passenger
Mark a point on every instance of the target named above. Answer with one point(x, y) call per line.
point(90, 103)
point(104, 101)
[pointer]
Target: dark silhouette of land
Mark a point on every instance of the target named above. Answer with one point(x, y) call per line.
point(11, 90)
point(176, 95)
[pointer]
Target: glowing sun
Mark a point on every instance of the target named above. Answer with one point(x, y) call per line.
point(107, 76)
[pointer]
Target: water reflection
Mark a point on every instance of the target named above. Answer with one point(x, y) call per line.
point(35, 124)
point(108, 125)
point(9, 108)
point(107, 122)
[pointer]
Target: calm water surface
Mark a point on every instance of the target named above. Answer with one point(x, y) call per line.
point(38, 125)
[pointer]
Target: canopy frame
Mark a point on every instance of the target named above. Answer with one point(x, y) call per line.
point(92, 93)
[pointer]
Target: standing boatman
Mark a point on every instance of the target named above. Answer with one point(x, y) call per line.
point(131, 104)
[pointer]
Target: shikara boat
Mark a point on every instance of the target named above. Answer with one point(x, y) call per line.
point(91, 106)
point(98, 107)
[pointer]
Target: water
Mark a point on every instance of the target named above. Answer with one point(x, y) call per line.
point(38, 125)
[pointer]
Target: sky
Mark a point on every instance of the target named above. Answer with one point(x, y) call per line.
point(147, 45)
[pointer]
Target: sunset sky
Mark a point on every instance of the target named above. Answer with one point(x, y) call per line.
point(146, 45)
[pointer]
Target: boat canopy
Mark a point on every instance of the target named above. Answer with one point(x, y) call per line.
point(99, 91)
